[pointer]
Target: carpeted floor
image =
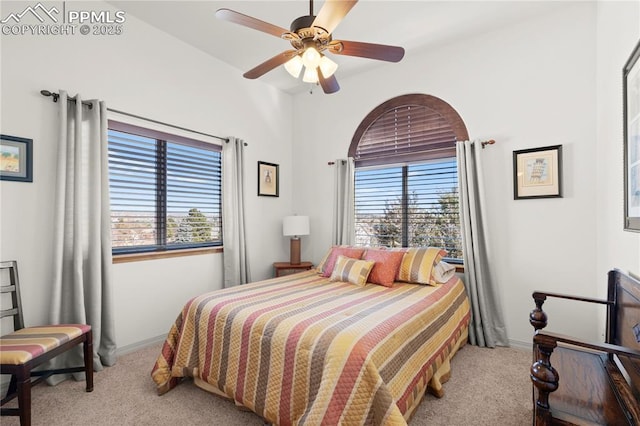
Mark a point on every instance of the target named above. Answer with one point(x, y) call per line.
point(487, 387)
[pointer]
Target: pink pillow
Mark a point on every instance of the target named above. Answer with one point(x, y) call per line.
point(386, 267)
point(330, 263)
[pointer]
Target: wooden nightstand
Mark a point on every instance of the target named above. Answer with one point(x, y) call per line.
point(286, 268)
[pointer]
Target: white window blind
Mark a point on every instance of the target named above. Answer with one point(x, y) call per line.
point(411, 205)
point(165, 190)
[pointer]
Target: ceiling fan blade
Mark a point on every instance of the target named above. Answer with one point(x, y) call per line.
point(381, 52)
point(329, 84)
point(247, 21)
point(269, 64)
point(331, 13)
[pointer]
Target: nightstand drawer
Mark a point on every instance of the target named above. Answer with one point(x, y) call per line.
point(285, 268)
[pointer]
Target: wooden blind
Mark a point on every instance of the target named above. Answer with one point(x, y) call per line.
point(406, 133)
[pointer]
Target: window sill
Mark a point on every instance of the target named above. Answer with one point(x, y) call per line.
point(139, 257)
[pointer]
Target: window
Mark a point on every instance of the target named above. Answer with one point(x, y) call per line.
point(165, 190)
point(406, 179)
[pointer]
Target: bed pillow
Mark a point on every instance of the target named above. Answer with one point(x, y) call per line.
point(443, 272)
point(386, 268)
point(326, 268)
point(351, 270)
point(320, 266)
point(418, 263)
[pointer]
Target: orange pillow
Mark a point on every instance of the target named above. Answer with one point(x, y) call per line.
point(330, 262)
point(386, 267)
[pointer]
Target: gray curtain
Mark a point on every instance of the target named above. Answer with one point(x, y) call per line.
point(487, 324)
point(81, 279)
point(236, 260)
point(343, 203)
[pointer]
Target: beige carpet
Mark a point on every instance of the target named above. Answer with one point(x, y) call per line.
point(487, 387)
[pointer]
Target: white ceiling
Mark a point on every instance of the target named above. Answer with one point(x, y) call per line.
point(414, 25)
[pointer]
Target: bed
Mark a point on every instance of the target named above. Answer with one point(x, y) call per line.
point(302, 349)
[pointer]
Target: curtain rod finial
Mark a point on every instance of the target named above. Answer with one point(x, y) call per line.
point(48, 93)
point(489, 142)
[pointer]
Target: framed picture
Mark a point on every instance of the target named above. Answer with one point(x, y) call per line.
point(16, 159)
point(537, 172)
point(268, 179)
point(631, 117)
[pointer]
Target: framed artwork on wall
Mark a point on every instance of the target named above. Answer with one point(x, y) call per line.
point(268, 179)
point(631, 117)
point(16, 159)
point(537, 172)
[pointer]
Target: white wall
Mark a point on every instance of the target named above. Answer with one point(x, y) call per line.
point(618, 33)
point(144, 72)
point(528, 85)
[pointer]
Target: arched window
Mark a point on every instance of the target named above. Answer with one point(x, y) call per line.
point(406, 180)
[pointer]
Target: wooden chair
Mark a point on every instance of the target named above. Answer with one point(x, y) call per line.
point(27, 348)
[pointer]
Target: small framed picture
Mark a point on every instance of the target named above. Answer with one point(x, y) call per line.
point(268, 179)
point(16, 161)
point(537, 172)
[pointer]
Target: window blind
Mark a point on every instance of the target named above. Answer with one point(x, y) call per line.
point(165, 191)
point(406, 183)
point(411, 205)
point(406, 133)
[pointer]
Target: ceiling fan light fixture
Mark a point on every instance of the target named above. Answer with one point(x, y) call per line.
point(327, 66)
point(311, 57)
point(310, 75)
point(294, 66)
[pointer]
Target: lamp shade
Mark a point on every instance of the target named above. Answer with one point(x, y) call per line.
point(295, 225)
point(294, 66)
point(310, 75)
point(327, 66)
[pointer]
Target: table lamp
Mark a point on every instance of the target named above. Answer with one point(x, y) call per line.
point(295, 226)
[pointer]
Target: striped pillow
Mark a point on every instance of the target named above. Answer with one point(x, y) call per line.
point(327, 264)
point(418, 263)
point(350, 270)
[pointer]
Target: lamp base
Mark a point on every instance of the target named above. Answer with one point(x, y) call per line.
point(294, 251)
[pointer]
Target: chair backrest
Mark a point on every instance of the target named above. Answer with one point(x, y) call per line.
point(9, 286)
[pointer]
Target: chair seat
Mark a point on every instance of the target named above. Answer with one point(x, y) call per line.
point(25, 344)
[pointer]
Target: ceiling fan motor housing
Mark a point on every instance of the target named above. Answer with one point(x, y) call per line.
point(306, 33)
point(303, 22)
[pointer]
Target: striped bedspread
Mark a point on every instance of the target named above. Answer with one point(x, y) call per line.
point(302, 350)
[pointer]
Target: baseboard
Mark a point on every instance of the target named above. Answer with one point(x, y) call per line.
point(139, 345)
point(518, 344)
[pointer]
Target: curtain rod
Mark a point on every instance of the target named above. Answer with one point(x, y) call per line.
point(56, 96)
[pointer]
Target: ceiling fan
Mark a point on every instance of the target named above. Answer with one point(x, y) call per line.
point(310, 36)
